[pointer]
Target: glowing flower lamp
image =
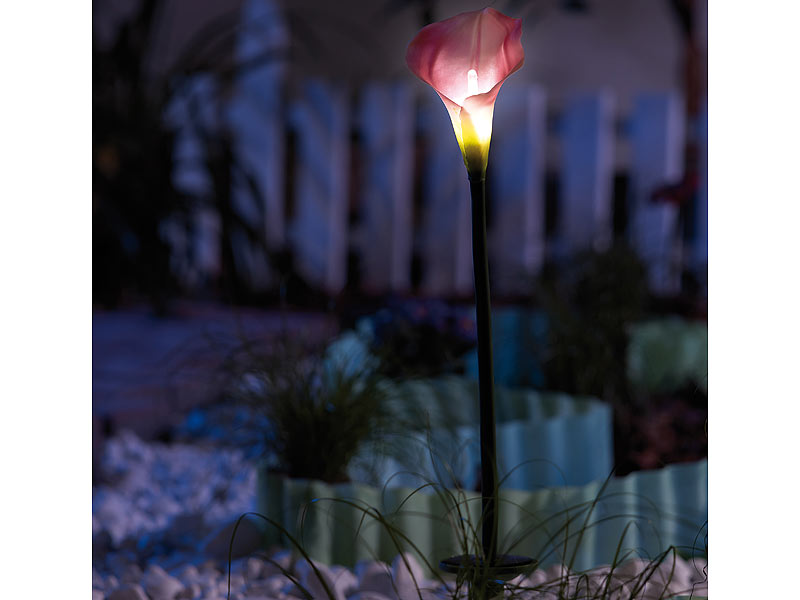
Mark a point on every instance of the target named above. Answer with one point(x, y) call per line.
point(466, 59)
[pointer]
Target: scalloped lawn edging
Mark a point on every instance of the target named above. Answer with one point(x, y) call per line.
point(648, 510)
point(544, 439)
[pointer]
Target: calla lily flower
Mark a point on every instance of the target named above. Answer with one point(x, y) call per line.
point(466, 59)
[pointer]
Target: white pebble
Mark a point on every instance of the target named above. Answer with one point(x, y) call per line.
point(377, 578)
point(319, 581)
point(537, 578)
point(408, 575)
point(253, 568)
point(278, 563)
point(237, 581)
point(633, 568)
point(128, 592)
point(269, 587)
point(188, 574)
point(97, 579)
point(370, 595)
point(160, 585)
point(189, 592)
point(344, 580)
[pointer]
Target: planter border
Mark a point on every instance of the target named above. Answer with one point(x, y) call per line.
point(544, 439)
point(654, 509)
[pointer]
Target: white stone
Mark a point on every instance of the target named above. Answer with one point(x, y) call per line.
point(377, 577)
point(188, 574)
point(319, 581)
point(210, 592)
point(631, 569)
point(537, 578)
point(344, 580)
point(699, 570)
point(408, 575)
point(370, 595)
point(237, 581)
point(210, 567)
point(160, 585)
point(651, 591)
point(97, 579)
point(155, 572)
point(556, 573)
point(128, 592)
point(270, 587)
point(618, 590)
point(676, 576)
point(206, 579)
point(591, 586)
point(191, 591)
point(253, 568)
point(164, 505)
point(278, 563)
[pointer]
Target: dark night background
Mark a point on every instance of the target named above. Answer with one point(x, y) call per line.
point(195, 222)
point(281, 285)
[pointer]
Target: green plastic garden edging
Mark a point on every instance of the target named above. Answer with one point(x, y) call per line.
point(544, 439)
point(652, 509)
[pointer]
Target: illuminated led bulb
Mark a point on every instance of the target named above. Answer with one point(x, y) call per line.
point(472, 82)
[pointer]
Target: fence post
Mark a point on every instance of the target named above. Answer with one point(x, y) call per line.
point(700, 242)
point(192, 113)
point(255, 117)
point(386, 124)
point(657, 144)
point(321, 119)
point(516, 163)
point(585, 208)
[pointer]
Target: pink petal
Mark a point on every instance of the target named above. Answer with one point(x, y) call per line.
point(487, 41)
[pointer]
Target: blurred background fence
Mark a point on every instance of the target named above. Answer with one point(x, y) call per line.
point(367, 187)
point(286, 178)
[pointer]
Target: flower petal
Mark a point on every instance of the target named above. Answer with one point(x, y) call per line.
point(487, 41)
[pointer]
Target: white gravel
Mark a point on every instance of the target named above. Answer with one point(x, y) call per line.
point(157, 505)
point(259, 579)
point(149, 487)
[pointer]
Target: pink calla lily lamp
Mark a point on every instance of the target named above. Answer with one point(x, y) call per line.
point(466, 59)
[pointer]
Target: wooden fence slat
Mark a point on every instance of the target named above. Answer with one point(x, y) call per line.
point(196, 257)
point(258, 182)
point(386, 124)
point(387, 120)
point(320, 117)
point(700, 242)
point(516, 162)
point(259, 141)
point(657, 144)
point(255, 118)
point(262, 43)
point(446, 236)
point(585, 210)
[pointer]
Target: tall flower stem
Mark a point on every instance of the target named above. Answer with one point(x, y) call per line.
point(483, 318)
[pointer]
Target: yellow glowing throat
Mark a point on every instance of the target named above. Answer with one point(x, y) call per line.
point(473, 130)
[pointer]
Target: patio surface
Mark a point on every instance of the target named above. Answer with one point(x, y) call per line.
point(147, 372)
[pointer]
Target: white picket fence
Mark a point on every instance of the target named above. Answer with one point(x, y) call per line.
point(396, 121)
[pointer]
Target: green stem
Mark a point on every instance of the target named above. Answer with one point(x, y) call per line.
point(483, 317)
